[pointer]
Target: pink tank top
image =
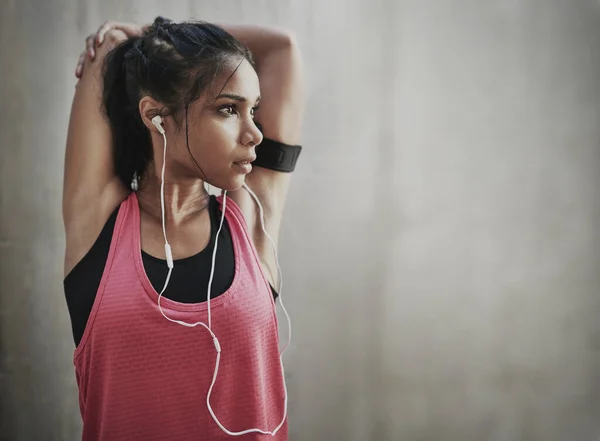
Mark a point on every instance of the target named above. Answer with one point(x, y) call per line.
point(144, 378)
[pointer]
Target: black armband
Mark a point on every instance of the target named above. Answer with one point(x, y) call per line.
point(276, 155)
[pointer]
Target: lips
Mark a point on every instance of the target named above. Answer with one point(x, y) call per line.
point(245, 164)
point(246, 160)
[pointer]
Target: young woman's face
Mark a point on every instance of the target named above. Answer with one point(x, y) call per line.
point(222, 133)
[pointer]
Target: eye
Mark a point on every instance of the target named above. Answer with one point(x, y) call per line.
point(231, 109)
point(228, 109)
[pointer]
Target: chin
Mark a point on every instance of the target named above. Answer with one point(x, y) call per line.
point(234, 184)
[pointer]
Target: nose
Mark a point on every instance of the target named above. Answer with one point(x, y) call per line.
point(251, 136)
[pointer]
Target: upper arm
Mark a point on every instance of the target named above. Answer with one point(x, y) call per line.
point(282, 92)
point(91, 190)
point(281, 113)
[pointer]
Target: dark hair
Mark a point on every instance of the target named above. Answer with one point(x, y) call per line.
point(172, 62)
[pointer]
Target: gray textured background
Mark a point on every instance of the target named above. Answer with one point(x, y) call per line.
point(441, 248)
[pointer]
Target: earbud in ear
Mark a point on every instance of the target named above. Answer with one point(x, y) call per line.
point(157, 121)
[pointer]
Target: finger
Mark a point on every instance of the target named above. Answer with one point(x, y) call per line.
point(103, 30)
point(89, 47)
point(80, 63)
point(130, 29)
point(79, 68)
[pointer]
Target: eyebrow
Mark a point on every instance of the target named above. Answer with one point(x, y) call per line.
point(235, 97)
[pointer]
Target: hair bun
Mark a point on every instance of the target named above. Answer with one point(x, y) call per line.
point(160, 22)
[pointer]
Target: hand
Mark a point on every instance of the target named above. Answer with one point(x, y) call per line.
point(94, 40)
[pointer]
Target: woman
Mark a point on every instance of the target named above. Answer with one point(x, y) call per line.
point(171, 291)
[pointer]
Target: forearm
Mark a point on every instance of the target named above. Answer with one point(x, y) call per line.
point(262, 41)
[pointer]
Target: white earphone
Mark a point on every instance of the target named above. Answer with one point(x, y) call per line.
point(157, 121)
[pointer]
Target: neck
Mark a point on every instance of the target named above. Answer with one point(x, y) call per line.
point(183, 199)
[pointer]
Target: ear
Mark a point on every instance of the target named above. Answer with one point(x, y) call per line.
point(149, 108)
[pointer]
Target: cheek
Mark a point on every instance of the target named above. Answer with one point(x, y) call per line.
point(212, 140)
point(222, 133)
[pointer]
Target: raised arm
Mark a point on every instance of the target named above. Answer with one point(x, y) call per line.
point(91, 189)
point(279, 67)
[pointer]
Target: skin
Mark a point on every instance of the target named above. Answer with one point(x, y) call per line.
point(221, 132)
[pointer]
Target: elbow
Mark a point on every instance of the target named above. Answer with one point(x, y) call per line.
point(285, 39)
point(288, 53)
point(288, 38)
point(290, 42)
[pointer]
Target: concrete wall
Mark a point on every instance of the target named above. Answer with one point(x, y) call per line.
point(441, 247)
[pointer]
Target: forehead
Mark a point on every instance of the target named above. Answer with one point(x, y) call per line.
point(240, 79)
